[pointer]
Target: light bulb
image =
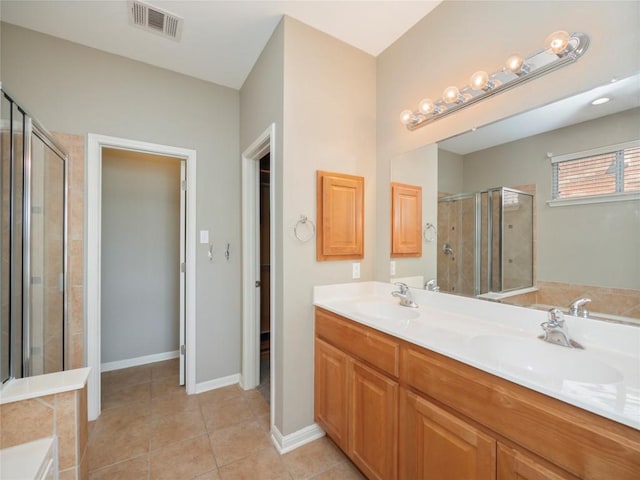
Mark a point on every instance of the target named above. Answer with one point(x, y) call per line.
point(514, 63)
point(557, 42)
point(479, 80)
point(451, 94)
point(427, 106)
point(406, 117)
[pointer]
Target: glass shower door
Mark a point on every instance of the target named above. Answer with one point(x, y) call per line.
point(46, 259)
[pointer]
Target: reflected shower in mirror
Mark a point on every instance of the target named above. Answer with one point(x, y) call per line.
point(584, 247)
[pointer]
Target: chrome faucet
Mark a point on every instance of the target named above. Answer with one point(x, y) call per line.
point(431, 286)
point(404, 294)
point(556, 331)
point(577, 307)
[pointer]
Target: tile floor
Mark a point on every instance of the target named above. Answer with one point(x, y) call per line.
point(150, 429)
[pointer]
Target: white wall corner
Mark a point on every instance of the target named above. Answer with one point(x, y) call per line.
point(217, 383)
point(287, 443)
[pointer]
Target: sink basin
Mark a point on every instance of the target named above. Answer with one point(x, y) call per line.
point(386, 311)
point(542, 360)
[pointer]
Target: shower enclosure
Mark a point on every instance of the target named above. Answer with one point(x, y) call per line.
point(33, 242)
point(485, 241)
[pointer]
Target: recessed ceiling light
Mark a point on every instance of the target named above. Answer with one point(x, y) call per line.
point(600, 101)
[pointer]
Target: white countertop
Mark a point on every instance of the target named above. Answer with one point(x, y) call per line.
point(41, 385)
point(456, 326)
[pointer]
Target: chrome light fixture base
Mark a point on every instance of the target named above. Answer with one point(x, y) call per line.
point(537, 64)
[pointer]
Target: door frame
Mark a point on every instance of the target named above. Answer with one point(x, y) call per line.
point(93, 221)
point(250, 376)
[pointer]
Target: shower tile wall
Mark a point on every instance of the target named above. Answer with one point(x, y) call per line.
point(517, 243)
point(74, 145)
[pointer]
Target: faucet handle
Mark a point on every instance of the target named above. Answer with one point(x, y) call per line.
point(403, 287)
point(556, 317)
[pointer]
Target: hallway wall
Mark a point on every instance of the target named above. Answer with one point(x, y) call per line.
point(140, 244)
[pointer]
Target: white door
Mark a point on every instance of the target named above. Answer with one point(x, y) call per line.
point(183, 233)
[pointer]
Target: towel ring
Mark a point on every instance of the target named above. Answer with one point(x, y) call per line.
point(310, 226)
point(429, 232)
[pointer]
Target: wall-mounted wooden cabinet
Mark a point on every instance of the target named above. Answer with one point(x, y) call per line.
point(406, 220)
point(340, 217)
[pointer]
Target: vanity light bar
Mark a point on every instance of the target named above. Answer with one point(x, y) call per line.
point(561, 48)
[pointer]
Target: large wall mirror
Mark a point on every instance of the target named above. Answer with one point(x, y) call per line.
point(502, 231)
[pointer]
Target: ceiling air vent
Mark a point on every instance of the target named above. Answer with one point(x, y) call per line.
point(155, 20)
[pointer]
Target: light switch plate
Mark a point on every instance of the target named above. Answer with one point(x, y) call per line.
point(355, 271)
point(204, 236)
point(392, 268)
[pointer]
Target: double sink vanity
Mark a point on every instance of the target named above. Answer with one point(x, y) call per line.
point(460, 388)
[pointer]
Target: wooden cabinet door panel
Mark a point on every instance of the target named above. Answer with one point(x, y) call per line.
point(515, 465)
point(435, 445)
point(331, 390)
point(340, 217)
point(373, 428)
point(406, 220)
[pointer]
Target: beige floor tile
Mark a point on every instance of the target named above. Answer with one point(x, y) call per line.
point(166, 386)
point(342, 471)
point(220, 395)
point(220, 415)
point(257, 403)
point(131, 416)
point(312, 458)
point(113, 447)
point(167, 368)
point(134, 469)
point(127, 376)
point(176, 427)
point(183, 460)
point(126, 395)
point(264, 421)
point(238, 441)
point(264, 464)
point(212, 475)
point(171, 404)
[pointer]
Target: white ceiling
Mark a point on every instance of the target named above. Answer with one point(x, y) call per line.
point(221, 40)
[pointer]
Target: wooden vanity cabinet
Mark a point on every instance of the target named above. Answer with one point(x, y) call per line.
point(516, 465)
point(406, 220)
point(410, 413)
point(436, 445)
point(361, 415)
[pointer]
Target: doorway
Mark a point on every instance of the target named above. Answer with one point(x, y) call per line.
point(254, 299)
point(142, 250)
point(95, 146)
point(264, 385)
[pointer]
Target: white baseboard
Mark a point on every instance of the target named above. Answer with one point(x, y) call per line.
point(287, 443)
point(217, 383)
point(134, 362)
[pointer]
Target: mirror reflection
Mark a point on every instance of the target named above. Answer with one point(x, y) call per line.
point(539, 209)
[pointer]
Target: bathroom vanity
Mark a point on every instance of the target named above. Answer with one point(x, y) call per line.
point(462, 388)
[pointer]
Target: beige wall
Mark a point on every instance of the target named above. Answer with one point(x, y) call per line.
point(324, 121)
point(449, 172)
point(458, 38)
point(593, 244)
point(76, 89)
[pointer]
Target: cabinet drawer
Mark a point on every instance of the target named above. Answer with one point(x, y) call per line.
point(585, 444)
point(373, 347)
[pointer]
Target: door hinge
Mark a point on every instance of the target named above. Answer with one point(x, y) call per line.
point(183, 350)
point(183, 267)
point(183, 185)
point(258, 283)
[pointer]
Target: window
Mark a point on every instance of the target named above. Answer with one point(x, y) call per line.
point(607, 171)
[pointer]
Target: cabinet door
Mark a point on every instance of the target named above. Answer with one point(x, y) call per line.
point(331, 392)
point(515, 465)
point(436, 445)
point(340, 217)
point(406, 220)
point(373, 427)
